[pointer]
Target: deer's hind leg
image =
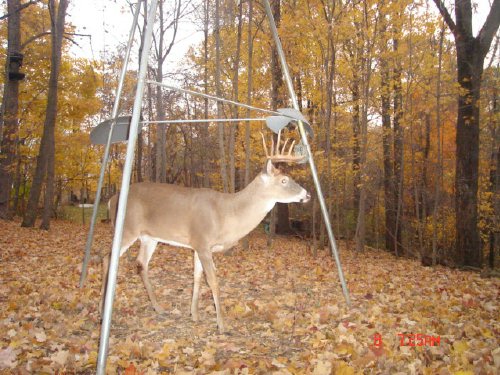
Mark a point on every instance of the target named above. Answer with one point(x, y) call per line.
point(198, 273)
point(148, 247)
point(105, 268)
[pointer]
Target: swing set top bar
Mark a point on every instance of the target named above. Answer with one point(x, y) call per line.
point(212, 97)
point(195, 121)
point(281, 118)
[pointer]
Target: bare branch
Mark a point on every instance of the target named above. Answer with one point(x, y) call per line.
point(21, 7)
point(494, 52)
point(489, 28)
point(176, 26)
point(33, 38)
point(446, 15)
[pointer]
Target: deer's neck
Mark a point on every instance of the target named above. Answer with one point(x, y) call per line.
point(254, 197)
point(246, 209)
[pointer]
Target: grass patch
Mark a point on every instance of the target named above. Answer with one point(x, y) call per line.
point(81, 215)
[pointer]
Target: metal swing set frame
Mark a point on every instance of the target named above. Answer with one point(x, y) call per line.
point(280, 117)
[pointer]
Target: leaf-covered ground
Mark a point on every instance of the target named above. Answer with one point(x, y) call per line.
point(284, 311)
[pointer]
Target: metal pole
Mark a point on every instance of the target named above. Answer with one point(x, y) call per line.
point(195, 121)
point(104, 163)
point(303, 135)
point(122, 203)
point(196, 93)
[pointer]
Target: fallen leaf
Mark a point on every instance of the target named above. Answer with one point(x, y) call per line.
point(60, 357)
point(322, 368)
point(7, 358)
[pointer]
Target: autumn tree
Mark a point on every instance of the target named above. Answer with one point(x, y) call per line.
point(10, 104)
point(45, 166)
point(278, 101)
point(168, 21)
point(470, 53)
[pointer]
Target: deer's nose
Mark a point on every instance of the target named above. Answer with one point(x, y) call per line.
point(306, 199)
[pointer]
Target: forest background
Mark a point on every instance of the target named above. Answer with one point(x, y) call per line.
point(402, 95)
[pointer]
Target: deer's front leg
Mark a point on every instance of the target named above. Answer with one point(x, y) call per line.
point(209, 268)
point(148, 246)
point(105, 268)
point(198, 272)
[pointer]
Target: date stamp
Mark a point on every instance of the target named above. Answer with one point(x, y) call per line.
point(410, 339)
point(418, 339)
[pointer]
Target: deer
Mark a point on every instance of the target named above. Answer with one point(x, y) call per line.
point(201, 219)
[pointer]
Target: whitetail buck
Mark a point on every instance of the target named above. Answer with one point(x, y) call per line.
point(204, 220)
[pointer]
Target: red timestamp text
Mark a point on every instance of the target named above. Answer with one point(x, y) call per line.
point(418, 339)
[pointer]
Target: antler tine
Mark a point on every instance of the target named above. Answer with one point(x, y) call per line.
point(264, 144)
point(278, 143)
point(283, 150)
point(280, 154)
point(291, 148)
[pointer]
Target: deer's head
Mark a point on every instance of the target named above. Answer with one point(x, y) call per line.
point(282, 187)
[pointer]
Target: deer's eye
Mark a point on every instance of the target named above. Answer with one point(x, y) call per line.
point(284, 180)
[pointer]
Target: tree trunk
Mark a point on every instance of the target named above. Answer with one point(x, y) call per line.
point(218, 89)
point(390, 212)
point(366, 69)
point(140, 141)
point(204, 132)
point(249, 92)
point(17, 183)
point(161, 133)
point(140, 147)
point(249, 102)
point(439, 164)
point(471, 52)
point(330, 66)
point(161, 130)
point(9, 114)
point(234, 126)
point(398, 148)
point(150, 148)
point(45, 163)
point(468, 246)
point(494, 235)
point(356, 150)
point(162, 50)
point(360, 234)
point(277, 101)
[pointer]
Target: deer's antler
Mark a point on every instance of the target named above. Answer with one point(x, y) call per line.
point(281, 155)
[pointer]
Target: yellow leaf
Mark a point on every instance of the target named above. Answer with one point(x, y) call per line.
point(57, 305)
point(238, 309)
point(12, 306)
point(345, 348)
point(487, 333)
point(460, 347)
point(164, 356)
point(344, 369)
point(323, 368)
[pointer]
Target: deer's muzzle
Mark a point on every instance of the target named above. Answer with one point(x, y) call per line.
point(306, 198)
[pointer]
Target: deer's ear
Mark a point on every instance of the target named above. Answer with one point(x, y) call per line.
point(269, 168)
